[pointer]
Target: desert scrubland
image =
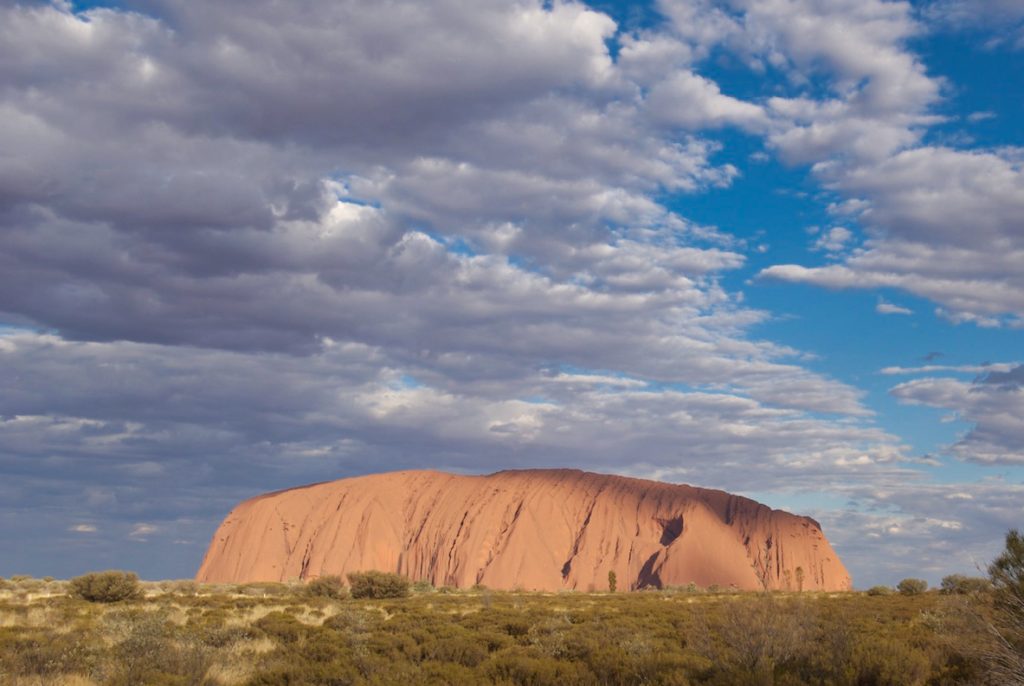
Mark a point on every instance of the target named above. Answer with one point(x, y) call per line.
point(179, 632)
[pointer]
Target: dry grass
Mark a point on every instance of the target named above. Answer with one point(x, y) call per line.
point(232, 635)
point(54, 680)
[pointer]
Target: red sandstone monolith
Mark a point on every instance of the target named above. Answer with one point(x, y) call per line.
point(531, 529)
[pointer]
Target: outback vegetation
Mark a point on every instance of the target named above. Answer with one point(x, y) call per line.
point(381, 630)
point(106, 587)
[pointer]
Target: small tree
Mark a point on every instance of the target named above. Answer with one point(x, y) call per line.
point(1005, 660)
point(612, 581)
point(763, 567)
point(375, 584)
point(1007, 571)
point(106, 587)
point(912, 586)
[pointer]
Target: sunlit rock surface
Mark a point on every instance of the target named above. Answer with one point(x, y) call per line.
point(531, 529)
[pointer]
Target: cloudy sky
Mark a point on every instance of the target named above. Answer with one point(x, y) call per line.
point(769, 246)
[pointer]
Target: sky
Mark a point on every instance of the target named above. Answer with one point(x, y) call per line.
point(774, 247)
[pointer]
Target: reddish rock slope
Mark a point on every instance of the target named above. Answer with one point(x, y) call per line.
point(532, 529)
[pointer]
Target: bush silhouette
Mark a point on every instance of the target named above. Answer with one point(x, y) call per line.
point(880, 590)
point(375, 584)
point(106, 587)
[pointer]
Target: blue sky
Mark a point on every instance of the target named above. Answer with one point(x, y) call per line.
point(769, 247)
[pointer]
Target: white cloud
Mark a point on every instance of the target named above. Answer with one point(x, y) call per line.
point(691, 101)
point(928, 529)
point(142, 531)
point(878, 91)
point(1002, 20)
point(941, 223)
point(834, 240)
point(973, 283)
point(883, 307)
point(993, 404)
point(964, 369)
point(598, 379)
point(266, 280)
point(83, 528)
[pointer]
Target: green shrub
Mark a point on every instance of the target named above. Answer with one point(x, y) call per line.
point(962, 585)
point(464, 649)
point(182, 587)
point(264, 589)
point(447, 673)
point(106, 587)
point(329, 586)
point(880, 590)
point(1005, 664)
point(912, 586)
point(29, 651)
point(302, 673)
point(885, 660)
point(750, 638)
point(154, 652)
point(524, 669)
point(281, 626)
point(375, 584)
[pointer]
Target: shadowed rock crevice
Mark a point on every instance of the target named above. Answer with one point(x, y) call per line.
point(671, 529)
point(648, 578)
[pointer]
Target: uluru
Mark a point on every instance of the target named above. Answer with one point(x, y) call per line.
point(545, 529)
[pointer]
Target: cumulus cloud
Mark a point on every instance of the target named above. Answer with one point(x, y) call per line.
point(940, 221)
point(256, 245)
point(1005, 378)
point(928, 528)
point(943, 226)
point(530, 143)
point(993, 405)
point(223, 425)
point(691, 101)
point(833, 240)
point(876, 91)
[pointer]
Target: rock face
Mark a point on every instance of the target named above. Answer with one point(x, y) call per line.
point(534, 529)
